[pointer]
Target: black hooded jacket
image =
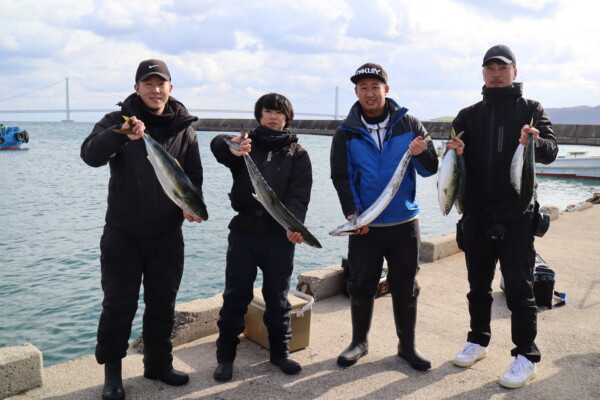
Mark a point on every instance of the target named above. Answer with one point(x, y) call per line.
point(283, 163)
point(137, 203)
point(492, 129)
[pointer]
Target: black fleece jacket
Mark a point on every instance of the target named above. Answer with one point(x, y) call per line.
point(492, 128)
point(136, 201)
point(283, 163)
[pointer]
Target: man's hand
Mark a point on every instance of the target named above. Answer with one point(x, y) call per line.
point(192, 218)
point(244, 145)
point(136, 126)
point(527, 130)
point(457, 145)
point(361, 231)
point(294, 237)
point(417, 146)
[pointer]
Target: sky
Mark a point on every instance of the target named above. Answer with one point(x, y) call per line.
point(224, 54)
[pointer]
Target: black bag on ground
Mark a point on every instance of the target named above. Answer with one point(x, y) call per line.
point(543, 285)
point(544, 279)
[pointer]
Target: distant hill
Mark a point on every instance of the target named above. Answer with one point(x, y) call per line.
point(575, 115)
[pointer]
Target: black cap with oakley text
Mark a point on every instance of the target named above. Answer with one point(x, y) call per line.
point(152, 67)
point(369, 70)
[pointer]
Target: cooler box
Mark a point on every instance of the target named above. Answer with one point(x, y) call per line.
point(300, 315)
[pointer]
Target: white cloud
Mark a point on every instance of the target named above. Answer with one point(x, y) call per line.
point(226, 54)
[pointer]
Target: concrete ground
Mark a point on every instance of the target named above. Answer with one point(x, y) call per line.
point(568, 338)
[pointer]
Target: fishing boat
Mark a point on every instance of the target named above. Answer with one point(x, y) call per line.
point(575, 164)
point(12, 137)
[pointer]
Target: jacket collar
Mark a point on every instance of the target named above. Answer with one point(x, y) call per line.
point(515, 90)
point(354, 122)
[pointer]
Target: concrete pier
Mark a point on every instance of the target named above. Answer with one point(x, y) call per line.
point(567, 336)
point(565, 134)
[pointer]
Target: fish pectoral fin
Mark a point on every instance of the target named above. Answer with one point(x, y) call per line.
point(177, 162)
point(255, 196)
point(124, 131)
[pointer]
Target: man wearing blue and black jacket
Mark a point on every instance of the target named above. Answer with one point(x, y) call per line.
point(365, 152)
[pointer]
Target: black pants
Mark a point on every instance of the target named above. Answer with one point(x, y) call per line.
point(515, 251)
point(125, 260)
point(274, 255)
point(399, 245)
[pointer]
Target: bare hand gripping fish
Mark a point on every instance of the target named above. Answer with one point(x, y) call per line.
point(378, 205)
point(267, 197)
point(175, 183)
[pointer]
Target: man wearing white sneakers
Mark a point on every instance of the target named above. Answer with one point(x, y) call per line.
point(494, 227)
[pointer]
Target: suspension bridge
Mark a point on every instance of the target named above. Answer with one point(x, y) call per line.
point(67, 110)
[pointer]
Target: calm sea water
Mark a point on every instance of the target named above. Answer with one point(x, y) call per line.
point(52, 216)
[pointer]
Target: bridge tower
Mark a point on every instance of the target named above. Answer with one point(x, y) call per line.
point(67, 107)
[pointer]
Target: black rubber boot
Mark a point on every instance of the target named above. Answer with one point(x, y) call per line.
point(113, 383)
point(223, 372)
point(287, 365)
point(169, 376)
point(405, 316)
point(361, 310)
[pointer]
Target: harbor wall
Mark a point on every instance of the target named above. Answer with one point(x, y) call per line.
point(565, 134)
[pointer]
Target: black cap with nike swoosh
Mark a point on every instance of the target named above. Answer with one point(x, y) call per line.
point(152, 67)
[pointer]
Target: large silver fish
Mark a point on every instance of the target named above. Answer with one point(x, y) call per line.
point(516, 168)
point(448, 178)
point(175, 183)
point(528, 175)
point(386, 196)
point(522, 172)
point(461, 194)
point(268, 198)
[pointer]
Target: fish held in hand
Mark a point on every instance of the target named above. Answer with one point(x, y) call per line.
point(449, 177)
point(269, 200)
point(384, 199)
point(175, 183)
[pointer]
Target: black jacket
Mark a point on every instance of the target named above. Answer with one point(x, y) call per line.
point(137, 203)
point(492, 129)
point(283, 163)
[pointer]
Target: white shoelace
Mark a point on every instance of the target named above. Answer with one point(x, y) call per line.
point(518, 366)
point(469, 348)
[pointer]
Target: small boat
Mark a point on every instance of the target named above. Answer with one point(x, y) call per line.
point(575, 164)
point(12, 137)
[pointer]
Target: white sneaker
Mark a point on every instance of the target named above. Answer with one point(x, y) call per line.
point(470, 354)
point(520, 371)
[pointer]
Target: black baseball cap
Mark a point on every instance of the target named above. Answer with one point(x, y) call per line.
point(500, 52)
point(369, 70)
point(152, 67)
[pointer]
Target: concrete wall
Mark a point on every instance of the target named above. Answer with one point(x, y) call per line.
point(565, 134)
point(20, 369)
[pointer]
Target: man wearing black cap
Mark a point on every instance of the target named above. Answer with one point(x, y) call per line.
point(365, 152)
point(142, 239)
point(493, 226)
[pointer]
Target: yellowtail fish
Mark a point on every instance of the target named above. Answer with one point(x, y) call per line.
point(449, 177)
point(175, 183)
point(522, 172)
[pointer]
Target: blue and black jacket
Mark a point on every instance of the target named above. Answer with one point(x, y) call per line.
point(360, 171)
